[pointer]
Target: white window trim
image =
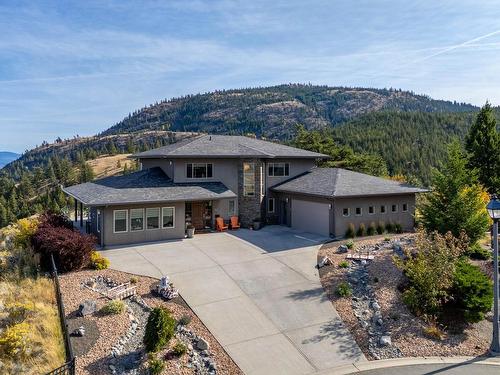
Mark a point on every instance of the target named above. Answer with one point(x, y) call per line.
point(245, 192)
point(385, 209)
point(159, 218)
point(126, 221)
point(371, 213)
point(199, 178)
point(397, 208)
point(173, 217)
point(271, 165)
point(348, 212)
point(143, 219)
point(274, 205)
point(360, 211)
point(403, 207)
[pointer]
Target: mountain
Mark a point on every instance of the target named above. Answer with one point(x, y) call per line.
point(6, 157)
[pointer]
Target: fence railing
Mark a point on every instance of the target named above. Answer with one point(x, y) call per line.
point(69, 367)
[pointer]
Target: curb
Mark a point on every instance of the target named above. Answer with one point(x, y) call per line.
point(385, 363)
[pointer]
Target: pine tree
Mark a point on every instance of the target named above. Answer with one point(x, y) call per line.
point(86, 173)
point(483, 144)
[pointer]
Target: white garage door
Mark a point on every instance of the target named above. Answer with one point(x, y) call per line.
point(313, 217)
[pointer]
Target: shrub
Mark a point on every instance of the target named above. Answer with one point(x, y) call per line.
point(184, 320)
point(476, 251)
point(344, 289)
point(14, 340)
point(350, 244)
point(98, 262)
point(361, 230)
point(344, 264)
point(398, 228)
point(389, 227)
point(23, 230)
point(134, 280)
point(371, 229)
point(434, 332)
point(387, 238)
point(159, 329)
point(472, 291)
point(57, 220)
point(380, 227)
point(113, 307)
point(155, 365)
point(350, 232)
point(179, 349)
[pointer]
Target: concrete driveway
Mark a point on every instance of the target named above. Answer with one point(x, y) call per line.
point(258, 292)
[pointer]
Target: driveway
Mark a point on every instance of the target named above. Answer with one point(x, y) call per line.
point(258, 292)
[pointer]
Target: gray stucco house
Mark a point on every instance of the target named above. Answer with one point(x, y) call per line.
point(194, 181)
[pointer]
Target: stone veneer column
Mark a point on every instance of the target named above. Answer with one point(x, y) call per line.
point(251, 207)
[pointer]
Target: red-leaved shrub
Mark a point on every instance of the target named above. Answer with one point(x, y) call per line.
point(54, 219)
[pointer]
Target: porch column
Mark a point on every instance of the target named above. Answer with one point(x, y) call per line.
point(81, 214)
point(76, 210)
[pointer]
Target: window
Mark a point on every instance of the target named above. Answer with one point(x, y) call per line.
point(382, 209)
point(136, 219)
point(405, 207)
point(345, 212)
point(371, 210)
point(199, 170)
point(359, 211)
point(279, 169)
point(394, 208)
point(249, 179)
point(232, 208)
point(120, 221)
point(98, 221)
point(152, 218)
point(270, 205)
point(168, 217)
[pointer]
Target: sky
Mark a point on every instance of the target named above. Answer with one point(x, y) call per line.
point(77, 67)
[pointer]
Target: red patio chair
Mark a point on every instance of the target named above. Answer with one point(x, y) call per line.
point(235, 224)
point(220, 226)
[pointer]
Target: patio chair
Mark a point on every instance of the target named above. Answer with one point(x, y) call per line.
point(220, 226)
point(235, 224)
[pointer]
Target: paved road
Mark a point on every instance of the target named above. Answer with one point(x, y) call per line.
point(259, 294)
point(438, 369)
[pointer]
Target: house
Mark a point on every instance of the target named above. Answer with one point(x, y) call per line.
point(194, 181)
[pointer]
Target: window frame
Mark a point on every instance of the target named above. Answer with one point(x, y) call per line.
point(159, 218)
point(360, 211)
point(385, 209)
point(173, 217)
point(372, 208)
point(272, 167)
point(394, 208)
point(247, 193)
point(269, 200)
point(348, 212)
point(114, 221)
point(143, 219)
point(98, 219)
point(405, 207)
point(231, 212)
point(192, 177)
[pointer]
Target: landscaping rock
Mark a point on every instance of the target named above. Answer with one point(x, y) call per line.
point(385, 341)
point(324, 261)
point(87, 307)
point(79, 332)
point(202, 344)
point(342, 249)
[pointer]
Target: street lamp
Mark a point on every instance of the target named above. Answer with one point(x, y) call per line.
point(493, 208)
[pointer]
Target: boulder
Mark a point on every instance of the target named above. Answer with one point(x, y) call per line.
point(342, 249)
point(79, 332)
point(375, 306)
point(385, 341)
point(202, 344)
point(87, 307)
point(324, 261)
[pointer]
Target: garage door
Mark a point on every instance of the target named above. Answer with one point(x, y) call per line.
point(311, 216)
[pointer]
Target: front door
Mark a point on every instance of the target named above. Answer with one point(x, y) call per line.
point(198, 215)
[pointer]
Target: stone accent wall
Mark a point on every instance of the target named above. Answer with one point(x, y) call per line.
point(251, 207)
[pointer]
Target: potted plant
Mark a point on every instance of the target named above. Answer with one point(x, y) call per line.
point(256, 224)
point(190, 231)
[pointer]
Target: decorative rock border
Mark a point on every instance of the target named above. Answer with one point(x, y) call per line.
point(198, 351)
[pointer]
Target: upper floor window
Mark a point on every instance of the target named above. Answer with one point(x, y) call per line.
point(359, 211)
point(249, 179)
point(279, 169)
point(382, 209)
point(199, 170)
point(394, 208)
point(405, 207)
point(371, 210)
point(345, 212)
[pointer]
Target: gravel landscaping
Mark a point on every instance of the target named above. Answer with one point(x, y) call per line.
point(112, 344)
point(375, 313)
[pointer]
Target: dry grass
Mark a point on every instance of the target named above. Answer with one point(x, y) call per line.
point(110, 165)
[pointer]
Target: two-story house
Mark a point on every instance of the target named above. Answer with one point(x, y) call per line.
point(198, 179)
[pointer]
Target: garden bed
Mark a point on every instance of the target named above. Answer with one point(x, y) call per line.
point(122, 333)
point(374, 286)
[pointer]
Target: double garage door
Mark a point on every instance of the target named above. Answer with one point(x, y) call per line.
point(309, 216)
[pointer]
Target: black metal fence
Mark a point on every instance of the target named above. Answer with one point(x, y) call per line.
point(69, 367)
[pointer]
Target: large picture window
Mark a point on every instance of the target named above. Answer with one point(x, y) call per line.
point(152, 218)
point(279, 169)
point(136, 219)
point(199, 170)
point(168, 217)
point(120, 221)
point(249, 179)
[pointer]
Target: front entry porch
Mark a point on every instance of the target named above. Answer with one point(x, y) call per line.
point(200, 215)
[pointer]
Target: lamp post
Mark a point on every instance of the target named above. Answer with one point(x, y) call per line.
point(493, 208)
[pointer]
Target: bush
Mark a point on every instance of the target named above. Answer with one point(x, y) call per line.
point(184, 320)
point(380, 227)
point(344, 289)
point(472, 291)
point(476, 251)
point(389, 227)
point(160, 329)
point(361, 230)
point(434, 332)
point(350, 244)
point(134, 280)
point(344, 264)
point(57, 220)
point(155, 365)
point(23, 230)
point(98, 262)
point(14, 340)
point(351, 231)
point(113, 307)
point(179, 349)
point(71, 249)
point(398, 228)
point(371, 229)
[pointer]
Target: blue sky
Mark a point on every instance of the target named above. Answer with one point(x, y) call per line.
point(70, 68)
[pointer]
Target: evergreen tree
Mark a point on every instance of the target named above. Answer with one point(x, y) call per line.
point(86, 173)
point(457, 201)
point(483, 144)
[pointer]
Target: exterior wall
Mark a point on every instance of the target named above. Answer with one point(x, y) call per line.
point(165, 164)
point(145, 235)
point(221, 208)
point(297, 166)
point(406, 219)
point(251, 207)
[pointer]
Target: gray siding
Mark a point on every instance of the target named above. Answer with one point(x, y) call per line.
point(166, 165)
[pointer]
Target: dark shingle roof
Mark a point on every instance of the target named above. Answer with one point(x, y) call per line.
point(337, 183)
point(229, 146)
point(146, 186)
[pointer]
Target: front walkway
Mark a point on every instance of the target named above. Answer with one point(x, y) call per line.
point(259, 294)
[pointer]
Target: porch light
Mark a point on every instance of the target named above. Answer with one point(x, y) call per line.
point(493, 208)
